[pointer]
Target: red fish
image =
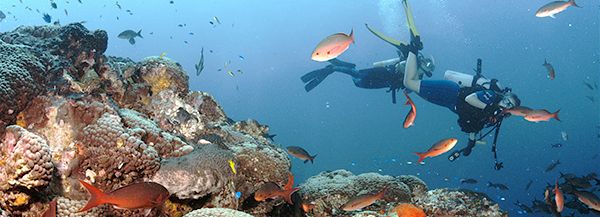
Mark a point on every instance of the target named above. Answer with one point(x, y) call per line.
point(541, 115)
point(133, 196)
point(559, 198)
point(363, 201)
point(51, 211)
point(412, 114)
point(438, 148)
point(519, 111)
point(332, 46)
point(271, 190)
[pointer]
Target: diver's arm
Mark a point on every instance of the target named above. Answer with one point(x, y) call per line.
point(473, 100)
point(411, 79)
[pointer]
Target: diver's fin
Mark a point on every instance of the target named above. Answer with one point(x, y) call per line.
point(337, 62)
point(396, 43)
point(315, 73)
point(318, 78)
point(410, 20)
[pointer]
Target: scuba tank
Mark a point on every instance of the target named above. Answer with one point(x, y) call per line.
point(465, 80)
point(385, 63)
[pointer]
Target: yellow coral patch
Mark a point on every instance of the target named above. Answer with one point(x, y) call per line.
point(20, 200)
point(21, 120)
point(160, 82)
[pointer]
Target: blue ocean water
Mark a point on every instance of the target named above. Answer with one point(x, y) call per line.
point(361, 130)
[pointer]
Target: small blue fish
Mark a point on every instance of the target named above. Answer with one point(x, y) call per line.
point(241, 57)
point(238, 195)
point(47, 18)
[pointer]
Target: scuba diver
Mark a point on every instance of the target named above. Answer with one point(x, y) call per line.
point(476, 100)
point(384, 74)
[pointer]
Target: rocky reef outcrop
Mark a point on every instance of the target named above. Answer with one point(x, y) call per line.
point(328, 191)
point(71, 113)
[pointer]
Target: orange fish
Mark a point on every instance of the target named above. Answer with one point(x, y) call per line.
point(438, 148)
point(519, 111)
point(412, 114)
point(307, 207)
point(559, 198)
point(363, 201)
point(409, 210)
point(51, 211)
point(541, 115)
point(271, 190)
point(551, 72)
point(133, 196)
point(332, 46)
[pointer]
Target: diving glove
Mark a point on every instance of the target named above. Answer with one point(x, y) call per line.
point(415, 45)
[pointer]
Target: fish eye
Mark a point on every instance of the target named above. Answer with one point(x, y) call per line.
point(317, 54)
point(328, 52)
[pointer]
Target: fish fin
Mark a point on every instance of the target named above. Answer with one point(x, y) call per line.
point(287, 195)
point(305, 161)
point(421, 156)
point(407, 102)
point(381, 194)
point(574, 4)
point(352, 35)
point(312, 158)
point(553, 16)
point(555, 115)
point(96, 196)
point(139, 34)
point(290, 182)
point(132, 41)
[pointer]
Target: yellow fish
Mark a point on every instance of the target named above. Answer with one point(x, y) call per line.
point(230, 73)
point(232, 165)
point(163, 54)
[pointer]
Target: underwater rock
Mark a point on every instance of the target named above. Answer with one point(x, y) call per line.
point(330, 190)
point(217, 212)
point(446, 202)
point(204, 171)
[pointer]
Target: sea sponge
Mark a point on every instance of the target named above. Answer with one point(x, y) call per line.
point(409, 210)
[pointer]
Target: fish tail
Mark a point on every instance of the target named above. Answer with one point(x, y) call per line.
point(312, 158)
point(97, 197)
point(555, 115)
point(421, 156)
point(287, 195)
point(381, 194)
point(572, 2)
point(352, 35)
point(139, 34)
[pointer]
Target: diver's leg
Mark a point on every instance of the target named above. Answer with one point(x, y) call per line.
point(467, 150)
point(411, 76)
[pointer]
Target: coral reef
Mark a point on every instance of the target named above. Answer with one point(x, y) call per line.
point(330, 190)
point(440, 202)
point(71, 113)
point(216, 212)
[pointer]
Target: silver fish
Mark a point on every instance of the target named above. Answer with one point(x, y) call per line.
point(200, 66)
point(555, 7)
point(130, 35)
